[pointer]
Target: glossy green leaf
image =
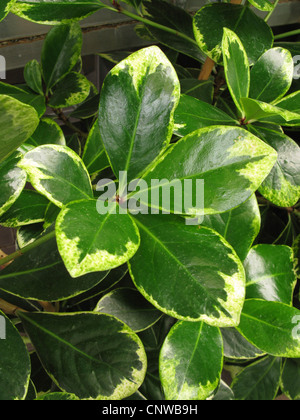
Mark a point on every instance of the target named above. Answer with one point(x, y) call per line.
point(14, 362)
point(31, 394)
point(58, 173)
point(282, 185)
point(239, 226)
point(29, 208)
point(237, 347)
point(232, 163)
point(177, 18)
point(28, 234)
point(261, 111)
point(191, 361)
point(212, 18)
point(199, 89)
point(53, 12)
point(224, 393)
point(40, 274)
point(73, 89)
point(26, 96)
point(89, 108)
point(47, 132)
point(33, 76)
point(236, 66)
point(137, 105)
point(110, 282)
point(261, 321)
point(259, 381)
point(51, 214)
point(188, 272)
point(193, 114)
point(290, 379)
point(264, 5)
point(57, 396)
point(272, 75)
point(89, 241)
point(61, 50)
point(5, 8)
point(290, 102)
point(12, 181)
point(94, 156)
point(17, 123)
point(270, 273)
point(293, 47)
point(96, 356)
point(129, 306)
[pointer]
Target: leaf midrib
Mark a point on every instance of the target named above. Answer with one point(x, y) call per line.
point(70, 345)
point(31, 271)
point(192, 357)
point(137, 120)
point(155, 238)
point(61, 179)
point(260, 379)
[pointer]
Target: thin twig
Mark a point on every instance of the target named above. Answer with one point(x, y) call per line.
point(9, 308)
point(47, 306)
point(68, 123)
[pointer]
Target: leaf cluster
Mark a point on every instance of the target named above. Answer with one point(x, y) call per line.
point(155, 302)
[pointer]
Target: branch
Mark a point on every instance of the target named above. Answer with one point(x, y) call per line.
point(68, 123)
point(27, 248)
point(8, 308)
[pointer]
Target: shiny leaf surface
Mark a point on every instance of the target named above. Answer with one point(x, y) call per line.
point(193, 114)
point(41, 275)
point(261, 111)
point(17, 123)
point(131, 307)
point(272, 75)
point(29, 208)
point(33, 76)
point(259, 381)
point(5, 8)
point(261, 321)
point(236, 65)
point(26, 96)
point(61, 51)
point(264, 5)
point(212, 18)
point(58, 173)
point(200, 281)
point(136, 110)
point(191, 361)
point(12, 182)
point(270, 273)
point(90, 348)
point(14, 362)
point(47, 132)
point(53, 12)
point(89, 241)
point(282, 185)
point(177, 18)
point(237, 347)
point(239, 226)
point(94, 156)
point(73, 89)
point(232, 163)
point(290, 379)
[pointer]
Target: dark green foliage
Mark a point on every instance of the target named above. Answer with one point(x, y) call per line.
point(160, 241)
